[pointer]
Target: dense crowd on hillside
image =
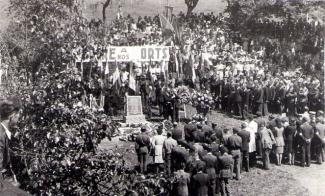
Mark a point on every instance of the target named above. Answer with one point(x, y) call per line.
point(203, 158)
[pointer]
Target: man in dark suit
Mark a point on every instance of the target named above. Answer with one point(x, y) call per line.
point(235, 144)
point(225, 163)
point(177, 132)
point(307, 133)
point(245, 136)
point(142, 147)
point(200, 182)
point(211, 163)
point(218, 133)
point(320, 140)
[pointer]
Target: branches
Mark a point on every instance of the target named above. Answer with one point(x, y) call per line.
point(105, 5)
point(191, 4)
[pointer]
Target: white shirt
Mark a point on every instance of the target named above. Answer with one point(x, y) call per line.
point(8, 133)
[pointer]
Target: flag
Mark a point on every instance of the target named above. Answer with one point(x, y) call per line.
point(132, 83)
point(191, 63)
point(149, 77)
point(178, 32)
point(116, 75)
point(166, 26)
point(106, 70)
point(100, 65)
point(176, 64)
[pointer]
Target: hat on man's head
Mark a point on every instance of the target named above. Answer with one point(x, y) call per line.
point(235, 130)
point(143, 129)
point(223, 149)
point(244, 125)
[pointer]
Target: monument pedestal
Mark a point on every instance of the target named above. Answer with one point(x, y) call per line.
point(134, 114)
point(134, 119)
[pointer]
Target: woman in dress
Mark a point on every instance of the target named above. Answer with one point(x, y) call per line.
point(289, 134)
point(279, 140)
point(157, 143)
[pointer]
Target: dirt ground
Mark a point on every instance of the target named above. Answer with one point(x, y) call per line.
point(312, 178)
point(279, 181)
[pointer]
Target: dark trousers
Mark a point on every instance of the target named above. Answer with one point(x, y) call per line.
point(212, 187)
point(237, 108)
point(252, 159)
point(236, 155)
point(245, 160)
point(305, 153)
point(161, 108)
point(224, 186)
point(320, 153)
point(262, 109)
point(168, 163)
point(266, 158)
point(142, 158)
point(244, 111)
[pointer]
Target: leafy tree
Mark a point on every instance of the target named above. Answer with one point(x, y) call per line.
point(191, 4)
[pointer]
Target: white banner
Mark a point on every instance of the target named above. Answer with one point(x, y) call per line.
point(137, 53)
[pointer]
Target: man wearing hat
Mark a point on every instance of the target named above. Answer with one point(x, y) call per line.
point(225, 163)
point(142, 147)
point(177, 132)
point(235, 144)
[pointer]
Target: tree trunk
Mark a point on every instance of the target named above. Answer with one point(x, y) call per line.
point(106, 4)
point(189, 11)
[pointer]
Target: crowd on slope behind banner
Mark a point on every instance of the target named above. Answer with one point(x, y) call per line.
point(255, 72)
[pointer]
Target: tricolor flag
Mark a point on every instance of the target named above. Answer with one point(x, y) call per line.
point(116, 75)
point(132, 82)
point(167, 28)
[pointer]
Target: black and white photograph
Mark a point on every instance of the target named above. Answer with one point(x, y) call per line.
point(162, 98)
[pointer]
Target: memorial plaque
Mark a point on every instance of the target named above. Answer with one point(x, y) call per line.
point(134, 112)
point(133, 105)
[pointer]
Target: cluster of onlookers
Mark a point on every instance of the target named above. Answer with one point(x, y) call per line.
point(203, 157)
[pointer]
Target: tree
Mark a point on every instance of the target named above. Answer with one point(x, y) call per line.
point(105, 5)
point(191, 4)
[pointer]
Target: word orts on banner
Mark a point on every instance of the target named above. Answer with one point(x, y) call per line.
point(137, 53)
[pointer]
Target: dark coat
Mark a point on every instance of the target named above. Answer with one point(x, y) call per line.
point(200, 182)
point(245, 136)
point(225, 163)
point(4, 149)
point(307, 131)
point(211, 163)
point(143, 144)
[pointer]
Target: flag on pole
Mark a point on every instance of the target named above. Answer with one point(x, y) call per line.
point(191, 63)
point(167, 28)
point(176, 64)
point(116, 75)
point(106, 70)
point(100, 65)
point(132, 82)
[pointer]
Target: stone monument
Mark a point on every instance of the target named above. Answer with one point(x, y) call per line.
point(134, 113)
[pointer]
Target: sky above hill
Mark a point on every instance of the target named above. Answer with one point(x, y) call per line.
point(93, 8)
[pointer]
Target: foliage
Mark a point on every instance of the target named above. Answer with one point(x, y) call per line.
point(191, 4)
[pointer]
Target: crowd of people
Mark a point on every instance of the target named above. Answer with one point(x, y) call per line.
point(242, 75)
point(203, 158)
